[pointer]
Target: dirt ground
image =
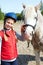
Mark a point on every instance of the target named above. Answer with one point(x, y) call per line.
point(26, 55)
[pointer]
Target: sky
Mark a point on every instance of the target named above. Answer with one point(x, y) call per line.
point(16, 5)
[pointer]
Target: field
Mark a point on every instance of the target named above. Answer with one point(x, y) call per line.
point(26, 55)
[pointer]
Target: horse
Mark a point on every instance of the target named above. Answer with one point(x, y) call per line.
point(33, 23)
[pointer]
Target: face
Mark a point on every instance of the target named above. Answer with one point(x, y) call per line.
point(30, 19)
point(29, 31)
point(9, 23)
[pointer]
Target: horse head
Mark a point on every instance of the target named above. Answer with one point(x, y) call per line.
point(30, 20)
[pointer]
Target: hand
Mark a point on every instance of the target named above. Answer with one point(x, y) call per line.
point(26, 37)
point(23, 28)
point(16, 38)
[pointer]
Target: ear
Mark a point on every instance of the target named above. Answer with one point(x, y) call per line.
point(37, 7)
point(24, 6)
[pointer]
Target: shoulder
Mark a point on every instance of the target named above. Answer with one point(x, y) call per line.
point(1, 31)
point(14, 31)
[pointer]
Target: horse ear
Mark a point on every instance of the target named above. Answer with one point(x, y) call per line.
point(35, 8)
point(24, 6)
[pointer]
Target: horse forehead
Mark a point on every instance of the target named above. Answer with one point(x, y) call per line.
point(29, 11)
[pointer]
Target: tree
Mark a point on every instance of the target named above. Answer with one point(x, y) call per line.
point(1, 15)
point(22, 17)
point(41, 8)
point(19, 16)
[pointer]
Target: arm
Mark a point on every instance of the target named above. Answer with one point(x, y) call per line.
point(1, 34)
point(23, 35)
point(20, 37)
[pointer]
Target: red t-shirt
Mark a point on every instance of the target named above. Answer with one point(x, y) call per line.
point(8, 48)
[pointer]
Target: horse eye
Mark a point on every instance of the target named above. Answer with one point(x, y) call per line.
point(31, 34)
point(35, 18)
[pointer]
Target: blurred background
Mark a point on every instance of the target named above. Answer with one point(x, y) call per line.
point(26, 55)
point(16, 6)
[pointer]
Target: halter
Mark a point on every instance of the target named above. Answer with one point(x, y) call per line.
point(26, 25)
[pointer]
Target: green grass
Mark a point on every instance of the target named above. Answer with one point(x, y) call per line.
point(1, 21)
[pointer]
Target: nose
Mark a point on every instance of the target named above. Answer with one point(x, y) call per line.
point(23, 29)
point(27, 36)
point(10, 25)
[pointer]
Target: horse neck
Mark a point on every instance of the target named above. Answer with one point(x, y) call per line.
point(40, 19)
point(39, 26)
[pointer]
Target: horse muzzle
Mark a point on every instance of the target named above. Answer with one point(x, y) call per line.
point(27, 37)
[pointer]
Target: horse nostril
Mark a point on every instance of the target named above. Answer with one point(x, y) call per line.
point(24, 31)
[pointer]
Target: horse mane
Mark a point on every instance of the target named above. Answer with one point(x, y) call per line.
point(39, 26)
point(40, 19)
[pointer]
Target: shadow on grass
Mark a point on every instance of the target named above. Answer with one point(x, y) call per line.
point(24, 59)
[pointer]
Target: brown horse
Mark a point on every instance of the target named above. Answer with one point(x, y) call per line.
point(33, 23)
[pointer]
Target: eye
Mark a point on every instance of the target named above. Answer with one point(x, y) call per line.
point(11, 23)
point(35, 18)
point(8, 22)
point(31, 34)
